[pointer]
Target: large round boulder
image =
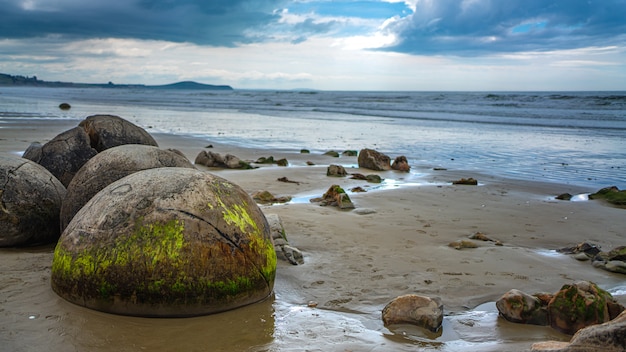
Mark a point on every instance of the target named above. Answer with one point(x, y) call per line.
point(66, 153)
point(30, 199)
point(110, 166)
point(166, 242)
point(374, 160)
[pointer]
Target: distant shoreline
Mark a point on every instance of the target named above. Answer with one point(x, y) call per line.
point(22, 81)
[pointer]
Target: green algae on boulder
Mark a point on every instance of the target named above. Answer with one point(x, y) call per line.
point(612, 195)
point(167, 242)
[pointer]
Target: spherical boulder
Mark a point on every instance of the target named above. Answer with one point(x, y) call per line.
point(30, 199)
point(108, 131)
point(111, 165)
point(166, 242)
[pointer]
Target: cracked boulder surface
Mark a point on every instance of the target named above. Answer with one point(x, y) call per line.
point(166, 242)
point(66, 153)
point(111, 165)
point(30, 201)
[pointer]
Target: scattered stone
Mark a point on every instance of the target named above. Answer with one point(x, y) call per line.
point(109, 166)
point(611, 195)
point(401, 164)
point(265, 197)
point(440, 169)
point(564, 196)
point(369, 178)
point(460, 244)
point(281, 245)
point(584, 247)
point(65, 106)
point(286, 180)
point(335, 196)
point(265, 160)
point(332, 153)
point(481, 237)
point(519, 307)
point(166, 242)
point(209, 146)
point(358, 189)
point(608, 337)
point(305, 151)
point(466, 181)
point(228, 161)
point(30, 201)
point(364, 211)
point(336, 171)
point(416, 310)
point(350, 153)
point(310, 163)
point(374, 160)
point(312, 304)
point(282, 162)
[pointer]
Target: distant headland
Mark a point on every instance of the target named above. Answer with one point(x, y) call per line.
point(9, 80)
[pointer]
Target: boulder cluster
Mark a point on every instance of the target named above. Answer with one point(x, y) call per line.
point(139, 230)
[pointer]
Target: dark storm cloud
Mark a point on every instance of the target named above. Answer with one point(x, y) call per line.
point(214, 22)
point(474, 27)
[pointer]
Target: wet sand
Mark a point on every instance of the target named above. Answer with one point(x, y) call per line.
point(354, 264)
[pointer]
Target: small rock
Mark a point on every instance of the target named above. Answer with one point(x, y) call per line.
point(401, 164)
point(332, 153)
point(417, 310)
point(65, 106)
point(460, 244)
point(466, 181)
point(282, 162)
point(564, 196)
point(350, 153)
point(374, 160)
point(358, 189)
point(336, 171)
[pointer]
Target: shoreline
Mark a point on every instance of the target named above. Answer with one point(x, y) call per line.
point(354, 264)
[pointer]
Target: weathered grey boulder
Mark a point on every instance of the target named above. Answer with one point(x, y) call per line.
point(30, 199)
point(606, 337)
point(64, 154)
point(613, 260)
point(519, 307)
point(166, 242)
point(400, 163)
point(580, 305)
point(108, 131)
point(374, 160)
point(212, 159)
point(417, 310)
point(111, 165)
point(279, 237)
point(336, 171)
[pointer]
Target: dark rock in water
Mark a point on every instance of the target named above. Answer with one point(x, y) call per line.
point(282, 162)
point(614, 260)
point(350, 153)
point(166, 242)
point(358, 190)
point(335, 196)
point(373, 178)
point(228, 161)
point(606, 337)
point(109, 166)
point(612, 195)
point(564, 196)
point(466, 181)
point(65, 106)
point(374, 160)
point(417, 310)
point(63, 155)
point(30, 200)
point(305, 151)
point(336, 171)
point(401, 164)
point(265, 160)
point(519, 307)
point(580, 305)
point(332, 153)
point(584, 247)
point(66, 153)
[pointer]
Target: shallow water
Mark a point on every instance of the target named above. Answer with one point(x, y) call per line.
point(571, 138)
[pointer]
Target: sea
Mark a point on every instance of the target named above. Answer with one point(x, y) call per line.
point(576, 138)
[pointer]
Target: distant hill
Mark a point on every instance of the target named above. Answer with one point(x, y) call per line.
point(9, 80)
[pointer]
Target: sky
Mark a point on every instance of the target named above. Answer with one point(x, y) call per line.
point(423, 45)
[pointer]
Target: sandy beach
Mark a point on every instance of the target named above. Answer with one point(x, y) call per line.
point(355, 262)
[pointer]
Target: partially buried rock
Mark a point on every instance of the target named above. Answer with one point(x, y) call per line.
point(111, 165)
point(374, 160)
point(401, 164)
point(228, 161)
point(519, 307)
point(564, 196)
point(335, 196)
point(30, 200)
point(265, 197)
point(281, 245)
point(460, 244)
point(416, 310)
point(611, 195)
point(613, 260)
point(166, 242)
point(606, 337)
point(65, 106)
point(108, 131)
point(466, 181)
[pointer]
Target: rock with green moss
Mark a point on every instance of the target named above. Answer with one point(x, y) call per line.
point(519, 307)
point(335, 196)
point(30, 201)
point(166, 242)
point(580, 305)
point(612, 195)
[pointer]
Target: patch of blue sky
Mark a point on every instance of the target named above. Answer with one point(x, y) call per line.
point(360, 8)
point(529, 26)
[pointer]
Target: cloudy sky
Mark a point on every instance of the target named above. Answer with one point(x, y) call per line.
point(321, 44)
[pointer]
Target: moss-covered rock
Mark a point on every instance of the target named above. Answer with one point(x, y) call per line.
point(164, 243)
point(612, 195)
